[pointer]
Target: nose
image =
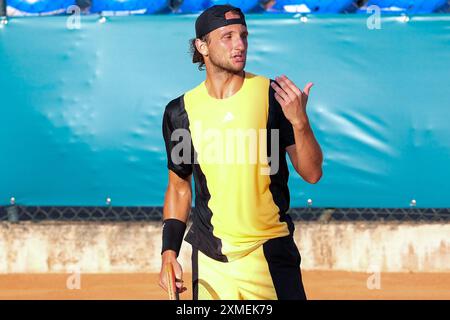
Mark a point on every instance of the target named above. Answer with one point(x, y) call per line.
point(240, 43)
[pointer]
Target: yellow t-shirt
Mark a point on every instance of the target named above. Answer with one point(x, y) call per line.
point(235, 149)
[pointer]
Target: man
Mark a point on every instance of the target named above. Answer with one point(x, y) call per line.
point(241, 236)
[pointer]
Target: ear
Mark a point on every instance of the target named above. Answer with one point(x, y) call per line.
point(202, 47)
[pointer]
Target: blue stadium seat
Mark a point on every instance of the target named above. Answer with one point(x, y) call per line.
point(194, 6)
point(318, 6)
point(244, 5)
point(40, 6)
point(151, 6)
point(407, 6)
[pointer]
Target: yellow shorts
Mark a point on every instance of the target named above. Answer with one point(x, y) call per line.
point(270, 272)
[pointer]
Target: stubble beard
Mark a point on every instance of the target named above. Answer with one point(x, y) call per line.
point(225, 66)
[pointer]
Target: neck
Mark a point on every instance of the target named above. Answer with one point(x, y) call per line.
point(223, 84)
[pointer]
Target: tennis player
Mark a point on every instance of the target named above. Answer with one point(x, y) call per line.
point(241, 236)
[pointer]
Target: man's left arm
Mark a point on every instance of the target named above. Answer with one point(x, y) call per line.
point(306, 155)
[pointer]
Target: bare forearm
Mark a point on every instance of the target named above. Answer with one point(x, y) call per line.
point(177, 203)
point(309, 155)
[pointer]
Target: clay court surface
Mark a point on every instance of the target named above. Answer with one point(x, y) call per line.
point(318, 285)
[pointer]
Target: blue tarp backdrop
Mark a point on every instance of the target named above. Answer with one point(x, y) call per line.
point(81, 109)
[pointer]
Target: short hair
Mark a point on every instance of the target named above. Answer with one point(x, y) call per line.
point(197, 57)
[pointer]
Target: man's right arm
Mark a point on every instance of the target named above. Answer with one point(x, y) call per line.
point(177, 205)
point(178, 197)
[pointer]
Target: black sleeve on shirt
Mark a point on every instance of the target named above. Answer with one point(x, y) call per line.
point(175, 117)
point(286, 130)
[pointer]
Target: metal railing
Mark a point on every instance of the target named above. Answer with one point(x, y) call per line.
point(16, 213)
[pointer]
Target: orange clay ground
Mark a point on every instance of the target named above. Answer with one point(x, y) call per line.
point(318, 285)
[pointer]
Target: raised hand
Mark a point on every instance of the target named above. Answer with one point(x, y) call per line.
point(292, 100)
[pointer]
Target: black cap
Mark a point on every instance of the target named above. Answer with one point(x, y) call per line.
point(214, 17)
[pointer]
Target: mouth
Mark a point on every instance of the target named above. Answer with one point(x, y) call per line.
point(238, 58)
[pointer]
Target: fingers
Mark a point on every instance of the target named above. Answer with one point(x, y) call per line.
point(180, 285)
point(281, 95)
point(280, 100)
point(178, 282)
point(163, 282)
point(307, 88)
point(179, 279)
point(287, 88)
point(286, 83)
point(287, 91)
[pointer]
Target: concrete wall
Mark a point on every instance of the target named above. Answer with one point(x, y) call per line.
point(367, 247)
point(135, 247)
